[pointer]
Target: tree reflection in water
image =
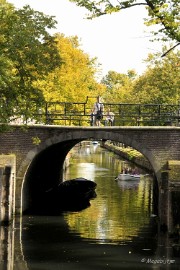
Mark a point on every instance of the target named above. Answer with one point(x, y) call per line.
point(120, 209)
point(117, 231)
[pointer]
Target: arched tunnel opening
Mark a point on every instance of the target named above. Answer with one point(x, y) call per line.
point(44, 173)
point(48, 179)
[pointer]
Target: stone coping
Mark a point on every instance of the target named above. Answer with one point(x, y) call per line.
point(109, 128)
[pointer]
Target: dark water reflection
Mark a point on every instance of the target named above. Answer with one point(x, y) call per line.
point(117, 231)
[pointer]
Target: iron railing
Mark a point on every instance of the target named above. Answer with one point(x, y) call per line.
point(73, 113)
point(126, 114)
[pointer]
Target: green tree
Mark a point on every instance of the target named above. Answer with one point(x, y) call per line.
point(75, 79)
point(118, 86)
point(161, 82)
point(71, 82)
point(164, 13)
point(28, 53)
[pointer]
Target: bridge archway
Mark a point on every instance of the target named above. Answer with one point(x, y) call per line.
point(45, 163)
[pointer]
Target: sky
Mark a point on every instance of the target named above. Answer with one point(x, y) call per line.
point(120, 41)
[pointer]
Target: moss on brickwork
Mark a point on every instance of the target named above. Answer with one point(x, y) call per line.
point(174, 170)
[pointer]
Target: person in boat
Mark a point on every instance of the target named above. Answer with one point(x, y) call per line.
point(130, 171)
point(125, 171)
point(135, 171)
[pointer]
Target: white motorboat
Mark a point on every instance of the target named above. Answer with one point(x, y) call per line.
point(95, 142)
point(128, 176)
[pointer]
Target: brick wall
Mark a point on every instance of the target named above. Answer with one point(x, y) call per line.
point(158, 145)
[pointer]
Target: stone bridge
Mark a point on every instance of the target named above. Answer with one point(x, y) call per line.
point(41, 151)
point(37, 153)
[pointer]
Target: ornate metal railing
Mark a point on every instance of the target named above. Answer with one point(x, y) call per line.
point(125, 114)
point(67, 113)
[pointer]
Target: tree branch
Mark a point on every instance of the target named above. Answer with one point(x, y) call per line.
point(172, 33)
point(172, 48)
point(133, 5)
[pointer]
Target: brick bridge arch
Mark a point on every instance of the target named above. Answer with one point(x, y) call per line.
point(45, 160)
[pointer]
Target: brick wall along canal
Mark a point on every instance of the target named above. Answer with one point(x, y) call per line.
point(117, 231)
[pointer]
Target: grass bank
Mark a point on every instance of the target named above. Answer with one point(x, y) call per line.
point(129, 154)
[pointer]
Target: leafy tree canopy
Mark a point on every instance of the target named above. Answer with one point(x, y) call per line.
point(161, 82)
point(118, 86)
point(75, 79)
point(28, 53)
point(164, 13)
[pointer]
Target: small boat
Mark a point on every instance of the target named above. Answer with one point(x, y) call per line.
point(95, 142)
point(75, 189)
point(70, 195)
point(78, 188)
point(127, 176)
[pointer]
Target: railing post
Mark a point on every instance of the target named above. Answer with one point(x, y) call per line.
point(159, 111)
point(84, 108)
point(139, 115)
point(46, 113)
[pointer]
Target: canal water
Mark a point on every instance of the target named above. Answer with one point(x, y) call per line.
point(117, 231)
